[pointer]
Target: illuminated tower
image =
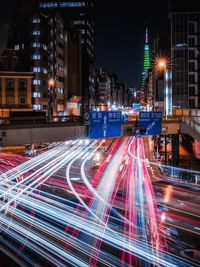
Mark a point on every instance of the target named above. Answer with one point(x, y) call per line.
point(146, 58)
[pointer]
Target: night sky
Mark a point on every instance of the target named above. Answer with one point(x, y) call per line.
point(120, 29)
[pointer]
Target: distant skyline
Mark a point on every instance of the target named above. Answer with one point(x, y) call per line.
point(120, 32)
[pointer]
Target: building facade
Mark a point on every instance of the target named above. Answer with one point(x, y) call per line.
point(79, 15)
point(15, 85)
point(55, 40)
point(185, 47)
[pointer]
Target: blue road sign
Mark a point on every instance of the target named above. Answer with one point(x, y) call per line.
point(136, 106)
point(104, 124)
point(152, 121)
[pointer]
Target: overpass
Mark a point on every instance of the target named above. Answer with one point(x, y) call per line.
point(191, 126)
point(43, 132)
point(40, 133)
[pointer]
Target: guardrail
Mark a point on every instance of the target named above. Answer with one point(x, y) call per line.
point(192, 122)
point(39, 119)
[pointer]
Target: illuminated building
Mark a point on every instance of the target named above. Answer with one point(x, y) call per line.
point(79, 15)
point(185, 46)
point(56, 40)
point(147, 64)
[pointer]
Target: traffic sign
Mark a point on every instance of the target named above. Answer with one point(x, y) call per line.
point(152, 121)
point(136, 106)
point(104, 124)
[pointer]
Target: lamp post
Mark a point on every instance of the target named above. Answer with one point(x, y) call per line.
point(51, 98)
point(162, 65)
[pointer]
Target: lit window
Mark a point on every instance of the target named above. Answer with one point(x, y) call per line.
point(36, 32)
point(44, 71)
point(49, 5)
point(60, 90)
point(36, 20)
point(36, 69)
point(36, 107)
point(79, 22)
point(60, 68)
point(36, 44)
point(45, 47)
point(36, 94)
point(36, 82)
point(16, 47)
point(60, 34)
point(72, 4)
point(36, 56)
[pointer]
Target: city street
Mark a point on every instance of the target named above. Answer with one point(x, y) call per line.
point(87, 214)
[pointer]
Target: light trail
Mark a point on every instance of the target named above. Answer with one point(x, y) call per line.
point(125, 173)
point(63, 159)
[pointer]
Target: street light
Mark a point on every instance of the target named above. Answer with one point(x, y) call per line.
point(51, 83)
point(162, 64)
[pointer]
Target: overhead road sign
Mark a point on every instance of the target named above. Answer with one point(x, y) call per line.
point(104, 124)
point(151, 121)
point(136, 106)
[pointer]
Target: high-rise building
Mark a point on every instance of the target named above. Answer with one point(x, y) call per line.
point(160, 52)
point(147, 64)
point(79, 16)
point(55, 40)
point(185, 60)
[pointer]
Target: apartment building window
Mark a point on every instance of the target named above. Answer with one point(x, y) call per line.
point(60, 90)
point(192, 90)
point(49, 5)
point(60, 34)
point(10, 100)
point(36, 32)
point(191, 41)
point(36, 82)
point(36, 56)
point(36, 94)
point(191, 78)
point(36, 20)
point(44, 71)
point(37, 69)
point(60, 45)
point(22, 100)
point(72, 4)
point(36, 44)
point(10, 84)
point(17, 47)
point(191, 103)
point(192, 27)
point(191, 66)
point(60, 68)
point(44, 47)
point(79, 22)
point(192, 54)
point(22, 84)
point(60, 56)
point(36, 107)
